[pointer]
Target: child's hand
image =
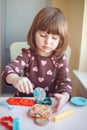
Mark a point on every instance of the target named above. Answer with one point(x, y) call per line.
point(23, 84)
point(61, 100)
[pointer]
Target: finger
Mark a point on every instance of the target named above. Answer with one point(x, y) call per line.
point(55, 108)
point(20, 85)
point(23, 85)
point(30, 86)
point(19, 88)
point(26, 88)
point(22, 88)
point(57, 96)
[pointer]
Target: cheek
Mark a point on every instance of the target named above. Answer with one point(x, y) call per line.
point(37, 39)
point(56, 43)
point(39, 43)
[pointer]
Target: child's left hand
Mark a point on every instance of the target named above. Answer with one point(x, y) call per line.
point(62, 99)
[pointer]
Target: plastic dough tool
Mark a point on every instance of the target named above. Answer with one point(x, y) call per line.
point(79, 101)
point(41, 121)
point(39, 94)
point(20, 101)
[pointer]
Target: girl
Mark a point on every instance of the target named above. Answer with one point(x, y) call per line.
point(44, 63)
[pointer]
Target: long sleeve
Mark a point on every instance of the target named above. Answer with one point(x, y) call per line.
point(63, 77)
point(16, 65)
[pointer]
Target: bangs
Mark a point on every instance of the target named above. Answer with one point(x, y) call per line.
point(50, 26)
point(51, 21)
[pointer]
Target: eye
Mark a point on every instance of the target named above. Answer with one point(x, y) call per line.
point(55, 37)
point(43, 34)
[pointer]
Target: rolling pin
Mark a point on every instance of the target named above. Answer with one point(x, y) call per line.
point(62, 115)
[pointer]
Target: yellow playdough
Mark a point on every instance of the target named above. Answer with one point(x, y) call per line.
point(62, 115)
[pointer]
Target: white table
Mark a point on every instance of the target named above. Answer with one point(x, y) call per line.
point(76, 121)
point(81, 78)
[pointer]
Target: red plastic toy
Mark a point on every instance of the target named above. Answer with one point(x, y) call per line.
point(20, 101)
point(6, 121)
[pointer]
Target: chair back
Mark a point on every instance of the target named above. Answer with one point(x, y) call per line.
point(15, 50)
point(16, 47)
point(68, 54)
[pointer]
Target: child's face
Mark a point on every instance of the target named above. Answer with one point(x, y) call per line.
point(46, 43)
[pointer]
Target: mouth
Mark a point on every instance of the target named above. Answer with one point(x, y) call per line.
point(46, 47)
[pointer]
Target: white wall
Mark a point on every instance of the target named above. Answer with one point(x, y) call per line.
point(83, 54)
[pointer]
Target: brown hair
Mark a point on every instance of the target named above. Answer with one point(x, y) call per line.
point(53, 21)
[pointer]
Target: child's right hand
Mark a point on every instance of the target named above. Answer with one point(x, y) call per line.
point(23, 84)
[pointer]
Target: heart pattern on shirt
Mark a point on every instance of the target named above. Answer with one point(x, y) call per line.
point(67, 70)
point(22, 63)
point(47, 88)
point(10, 71)
point(49, 72)
point(43, 62)
point(29, 55)
point(33, 58)
point(40, 79)
point(16, 69)
point(64, 57)
point(69, 86)
point(68, 79)
point(60, 65)
point(16, 61)
point(35, 69)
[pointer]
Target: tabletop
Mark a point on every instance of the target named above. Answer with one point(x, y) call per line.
point(76, 121)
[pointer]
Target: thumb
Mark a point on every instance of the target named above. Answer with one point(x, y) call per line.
point(57, 96)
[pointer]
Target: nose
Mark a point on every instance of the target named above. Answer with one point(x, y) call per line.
point(48, 40)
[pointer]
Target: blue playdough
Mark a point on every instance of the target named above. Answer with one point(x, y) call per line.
point(4, 103)
point(16, 124)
